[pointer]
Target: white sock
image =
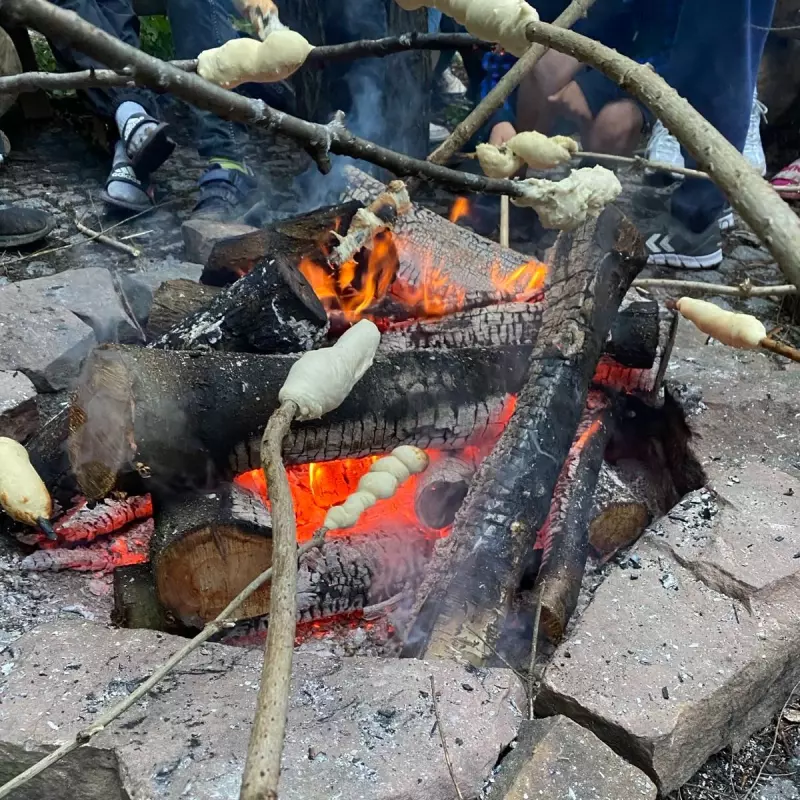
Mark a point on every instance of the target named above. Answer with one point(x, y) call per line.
point(122, 190)
point(125, 111)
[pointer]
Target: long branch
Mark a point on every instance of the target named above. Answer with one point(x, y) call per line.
point(742, 290)
point(464, 131)
point(82, 737)
point(149, 71)
point(762, 209)
point(319, 57)
point(263, 766)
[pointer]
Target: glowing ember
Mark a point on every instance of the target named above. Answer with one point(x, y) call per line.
point(459, 209)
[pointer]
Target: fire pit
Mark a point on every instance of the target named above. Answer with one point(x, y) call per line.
point(165, 439)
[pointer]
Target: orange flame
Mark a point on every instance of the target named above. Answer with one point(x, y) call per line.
point(459, 209)
point(524, 282)
point(354, 287)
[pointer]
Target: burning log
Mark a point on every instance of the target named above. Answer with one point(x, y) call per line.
point(510, 497)
point(180, 419)
point(633, 341)
point(442, 489)
point(272, 309)
point(173, 301)
point(564, 537)
point(206, 547)
point(126, 547)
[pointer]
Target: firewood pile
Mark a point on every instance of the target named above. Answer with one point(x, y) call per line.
point(514, 375)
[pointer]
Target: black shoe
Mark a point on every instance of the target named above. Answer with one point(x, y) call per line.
point(650, 203)
point(670, 243)
point(225, 194)
point(20, 226)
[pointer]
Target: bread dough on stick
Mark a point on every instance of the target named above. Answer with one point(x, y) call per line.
point(319, 381)
point(568, 203)
point(498, 162)
point(241, 61)
point(728, 327)
point(540, 151)
point(23, 495)
point(501, 21)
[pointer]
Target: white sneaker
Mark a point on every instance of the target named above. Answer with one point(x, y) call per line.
point(450, 85)
point(664, 147)
point(437, 133)
point(753, 149)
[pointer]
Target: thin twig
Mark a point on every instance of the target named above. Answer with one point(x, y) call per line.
point(505, 221)
point(523, 678)
point(319, 57)
point(221, 621)
point(774, 742)
point(742, 290)
point(532, 666)
point(444, 740)
point(263, 766)
point(111, 242)
point(480, 115)
point(781, 349)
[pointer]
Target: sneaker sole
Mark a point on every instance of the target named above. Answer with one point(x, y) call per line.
point(686, 262)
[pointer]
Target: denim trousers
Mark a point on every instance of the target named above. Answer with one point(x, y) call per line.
point(197, 25)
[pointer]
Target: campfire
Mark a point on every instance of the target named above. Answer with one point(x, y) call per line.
point(165, 439)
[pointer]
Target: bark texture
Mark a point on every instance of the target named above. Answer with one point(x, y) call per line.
point(463, 603)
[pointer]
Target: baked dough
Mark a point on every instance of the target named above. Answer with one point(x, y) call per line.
point(321, 379)
point(540, 151)
point(568, 203)
point(23, 494)
point(497, 162)
point(728, 327)
point(239, 61)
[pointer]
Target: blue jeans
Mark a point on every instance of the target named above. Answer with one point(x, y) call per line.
point(197, 25)
point(714, 65)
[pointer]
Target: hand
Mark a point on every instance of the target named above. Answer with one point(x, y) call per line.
point(571, 103)
point(501, 133)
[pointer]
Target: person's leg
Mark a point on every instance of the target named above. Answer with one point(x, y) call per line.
point(616, 129)
point(535, 111)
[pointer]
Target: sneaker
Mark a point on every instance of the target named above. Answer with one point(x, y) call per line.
point(225, 193)
point(726, 220)
point(450, 85)
point(670, 243)
point(437, 133)
point(753, 149)
point(664, 147)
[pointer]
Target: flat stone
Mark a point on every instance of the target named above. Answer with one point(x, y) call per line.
point(668, 670)
point(556, 758)
point(138, 286)
point(358, 727)
point(89, 294)
point(749, 544)
point(42, 339)
point(19, 414)
point(200, 236)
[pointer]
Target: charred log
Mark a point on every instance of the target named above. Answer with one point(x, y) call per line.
point(273, 309)
point(633, 341)
point(441, 491)
point(510, 496)
point(135, 601)
point(143, 417)
point(206, 548)
point(173, 301)
point(564, 538)
point(232, 257)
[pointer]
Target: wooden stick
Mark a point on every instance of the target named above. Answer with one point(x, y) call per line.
point(319, 57)
point(771, 219)
point(466, 129)
point(149, 71)
point(263, 765)
point(742, 290)
point(221, 621)
point(780, 348)
point(444, 740)
point(101, 237)
point(504, 221)
point(532, 664)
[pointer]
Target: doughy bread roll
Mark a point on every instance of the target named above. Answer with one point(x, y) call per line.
point(23, 495)
point(728, 327)
point(241, 61)
point(497, 162)
point(540, 151)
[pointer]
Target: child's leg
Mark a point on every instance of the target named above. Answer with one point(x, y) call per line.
point(553, 72)
point(616, 129)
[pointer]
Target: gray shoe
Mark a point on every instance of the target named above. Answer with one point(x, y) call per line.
point(670, 243)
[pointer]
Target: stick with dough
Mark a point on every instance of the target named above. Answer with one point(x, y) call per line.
point(728, 327)
point(240, 61)
point(23, 494)
point(529, 147)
